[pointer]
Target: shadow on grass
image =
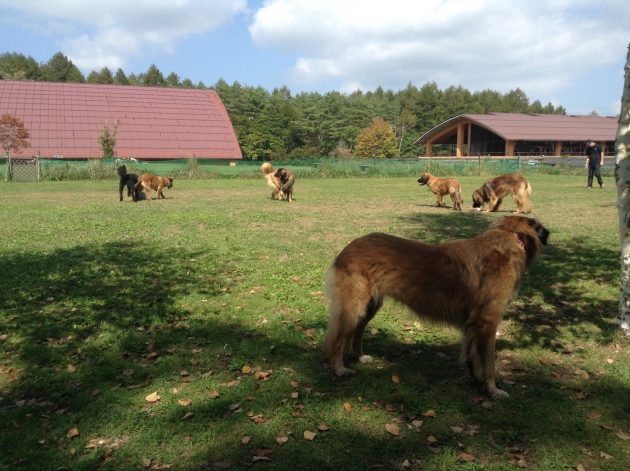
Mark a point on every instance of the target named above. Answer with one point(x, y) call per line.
point(106, 309)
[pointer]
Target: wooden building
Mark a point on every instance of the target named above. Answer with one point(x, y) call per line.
point(515, 134)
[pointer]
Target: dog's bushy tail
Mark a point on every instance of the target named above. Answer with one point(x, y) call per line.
point(267, 168)
point(524, 192)
point(343, 314)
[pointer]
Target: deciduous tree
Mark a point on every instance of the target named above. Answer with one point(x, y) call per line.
point(107, 138)
point(13, 134)
point(378, 141)
point(622, 176)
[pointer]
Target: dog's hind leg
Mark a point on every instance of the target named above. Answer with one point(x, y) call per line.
point(121, 188)
point(478, 350)
point(357, 340)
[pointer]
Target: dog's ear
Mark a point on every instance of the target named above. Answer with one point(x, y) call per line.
point(541, 232)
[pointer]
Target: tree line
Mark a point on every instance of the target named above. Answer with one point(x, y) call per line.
point(279, 125)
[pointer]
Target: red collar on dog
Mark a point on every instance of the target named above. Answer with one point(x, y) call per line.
point(520, 242)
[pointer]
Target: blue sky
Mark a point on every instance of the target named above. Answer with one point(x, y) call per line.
point(571, 53)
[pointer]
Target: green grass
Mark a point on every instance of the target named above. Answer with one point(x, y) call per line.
point(218, 276)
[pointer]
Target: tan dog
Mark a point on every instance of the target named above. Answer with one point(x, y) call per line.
point(495, 189)
point(148, 182)
point(465, 283)
point(281, 181)
point(442, 187)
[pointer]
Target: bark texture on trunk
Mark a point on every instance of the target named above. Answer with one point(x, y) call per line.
point(622, 178)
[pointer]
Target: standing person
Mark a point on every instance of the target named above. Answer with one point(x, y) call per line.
point(594, 161)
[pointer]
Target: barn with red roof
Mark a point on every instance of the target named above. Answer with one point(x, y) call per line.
point(513, 134)
point(156, 123)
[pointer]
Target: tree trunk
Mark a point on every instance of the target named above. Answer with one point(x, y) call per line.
point(622, 177)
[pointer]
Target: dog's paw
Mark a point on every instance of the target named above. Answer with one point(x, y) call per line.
point(344, 372)
point(366, 359)
point(499, 394)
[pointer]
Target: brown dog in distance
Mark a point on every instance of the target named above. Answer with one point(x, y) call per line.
point(465, 283)
point(442, 187)
point(495, 189)
point(148, 182)
point(281, 181)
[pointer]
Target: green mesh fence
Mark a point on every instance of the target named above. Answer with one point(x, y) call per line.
point(54, 169)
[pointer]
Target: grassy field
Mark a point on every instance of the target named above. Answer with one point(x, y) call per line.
point(213, 299)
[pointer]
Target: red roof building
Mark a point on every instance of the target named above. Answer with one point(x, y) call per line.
point(510, 134)
point(64, 120)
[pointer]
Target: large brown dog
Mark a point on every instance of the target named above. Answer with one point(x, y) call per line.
point(281, 181)
point(495, 189)
point(148, 182)
point(465, 283)
point(442, 187)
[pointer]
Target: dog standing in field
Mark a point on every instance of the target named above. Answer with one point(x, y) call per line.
point(465, 283)
point(149, 182)
point(495, 189)
point(281, 181)
point(442, 187)
point(129, 180)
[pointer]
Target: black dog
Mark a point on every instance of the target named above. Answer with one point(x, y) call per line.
point(129, 180)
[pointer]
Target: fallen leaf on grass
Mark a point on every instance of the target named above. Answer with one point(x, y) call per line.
point(430, 413)
point(295, 384)
point(264, 375)
point(96, 392)
point(347, 407)
point(487, 405)
point(185, 402)
point(545, 361)
point(146, 462)
point(406, 464)
point(431, 439)
point(184, 373)
point(194, 361)
point(71, 369)
point(395, 379)
point(593, 415)
point(234, 406)
point(417, 423)
point(393, 429)
point(623, 436)
point(72, 433)
point(246, 369)
point(153, 397)
point(245, 440)
point(188, 415)
point(457, 429)
point(374, 331)
point(322, 428)
point(295, 395)
point(308, 435)
point(606, 456)
point(214, 395)
point(465, 457)
point(282, 440)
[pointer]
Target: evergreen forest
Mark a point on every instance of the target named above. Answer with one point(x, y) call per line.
point(278, 124)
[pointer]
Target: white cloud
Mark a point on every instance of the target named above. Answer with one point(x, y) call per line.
point(537, 45)
point(108, 33)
